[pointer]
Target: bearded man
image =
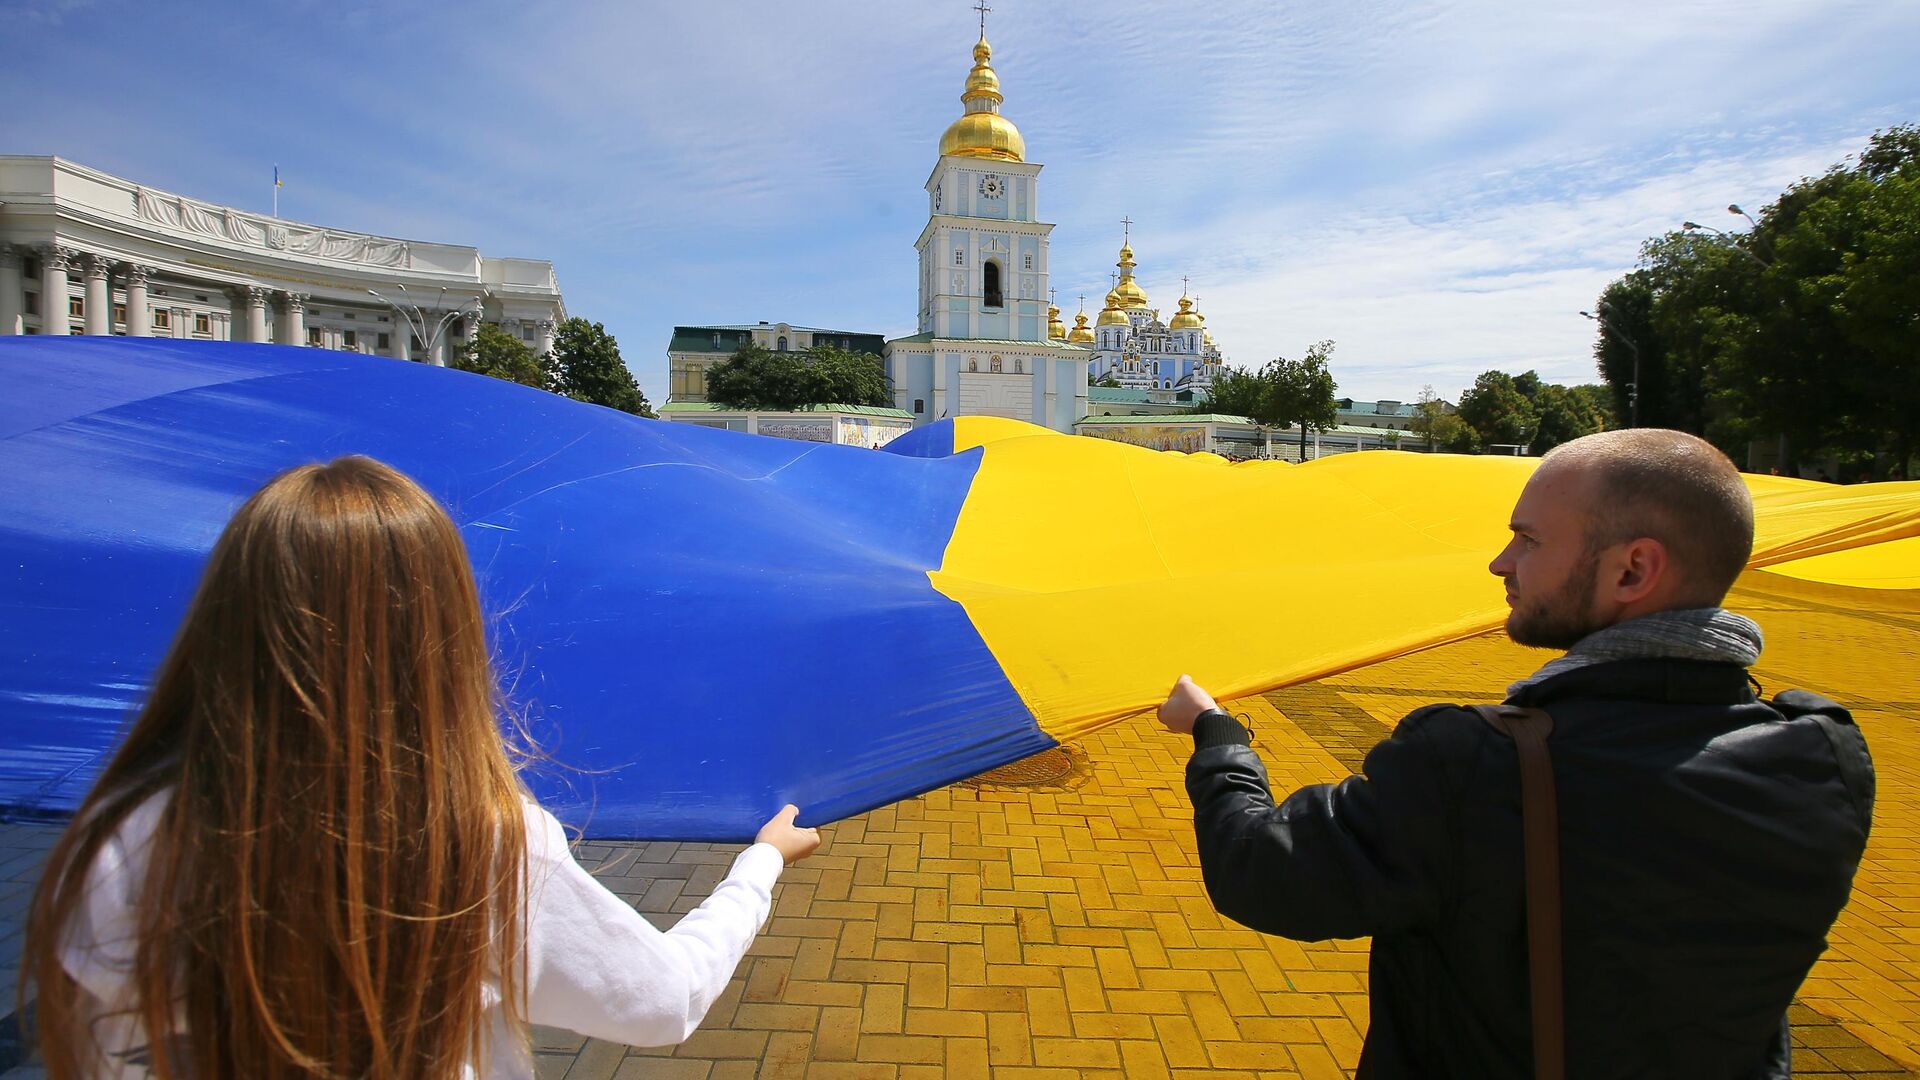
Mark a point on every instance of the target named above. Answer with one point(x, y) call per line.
point(1707, 838)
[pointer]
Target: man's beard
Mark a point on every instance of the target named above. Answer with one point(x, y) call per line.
point(1560, 620)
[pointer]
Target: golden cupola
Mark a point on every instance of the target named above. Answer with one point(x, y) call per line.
point(1081, 334)
point(981, 131)
point(1129, 291)
point(1187, 319)
point(1056, 330)
point(1111, 315)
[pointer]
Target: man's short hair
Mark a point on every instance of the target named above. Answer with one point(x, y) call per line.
point(1674, 488)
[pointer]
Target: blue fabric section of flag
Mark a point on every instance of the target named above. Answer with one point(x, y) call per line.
point(699, 625)
point(933, 440)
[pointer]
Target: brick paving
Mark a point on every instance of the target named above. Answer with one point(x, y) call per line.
point(1062, 930)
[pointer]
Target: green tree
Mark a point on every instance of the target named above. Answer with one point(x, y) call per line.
point(1436, 422)
point(1235, 392)
point(755, 378)
point(496, 353)
point(1108, 381)
point(1303, 392)
point(1280, 394)
point(1801, 330)
point(586, 366)
point(1498, 411)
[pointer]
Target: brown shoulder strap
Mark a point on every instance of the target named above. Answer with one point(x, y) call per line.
point(1529, 728)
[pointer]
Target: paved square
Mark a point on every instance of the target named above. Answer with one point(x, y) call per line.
point(1054, 924)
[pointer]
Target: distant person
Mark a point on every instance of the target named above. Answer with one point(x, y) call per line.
point(312, 857)
point(1707, 839)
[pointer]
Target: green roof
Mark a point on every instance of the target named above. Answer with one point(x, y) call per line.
point(732, 336)
point(1162, 421)
point(857, 410)
point(928, 338)
point(1119, 395)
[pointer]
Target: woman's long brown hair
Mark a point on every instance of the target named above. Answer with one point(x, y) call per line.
point(340, 864)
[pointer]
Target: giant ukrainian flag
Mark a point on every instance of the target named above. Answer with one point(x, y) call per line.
point(701, 625)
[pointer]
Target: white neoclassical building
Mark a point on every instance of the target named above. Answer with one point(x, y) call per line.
point(988, 343)
point(82, 252)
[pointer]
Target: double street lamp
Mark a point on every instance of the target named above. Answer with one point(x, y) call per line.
point(418, 323)
point(1633, 388)
point(1732, 241)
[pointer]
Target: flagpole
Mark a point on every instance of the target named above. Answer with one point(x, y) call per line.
point(276, 191)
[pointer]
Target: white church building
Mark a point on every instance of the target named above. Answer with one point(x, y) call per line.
point(988, 342)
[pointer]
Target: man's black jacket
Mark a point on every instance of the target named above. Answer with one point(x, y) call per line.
point(1707, 842)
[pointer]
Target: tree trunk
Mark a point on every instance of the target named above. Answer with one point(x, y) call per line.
point(1303, 440)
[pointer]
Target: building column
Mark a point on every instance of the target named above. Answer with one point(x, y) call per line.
point(55, 261)
point(545, 328)
point(252, 299)
point(400, 337)
point(139, 320)
point(13, 292)
point(99, 296)
point(293, 328)
point(469, 329)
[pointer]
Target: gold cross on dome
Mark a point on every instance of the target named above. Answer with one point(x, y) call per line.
point(982, 8)
point(1126, 230)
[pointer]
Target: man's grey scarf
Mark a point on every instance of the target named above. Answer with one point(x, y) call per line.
point(1714, 634)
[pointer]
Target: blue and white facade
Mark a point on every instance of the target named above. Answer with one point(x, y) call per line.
point(983, 346)
point(1139, 352)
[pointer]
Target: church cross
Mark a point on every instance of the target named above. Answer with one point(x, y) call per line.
point(1083, 301)
point(1126, 230)
point(1053, 298)
point(1183, 284)
point(982, 8)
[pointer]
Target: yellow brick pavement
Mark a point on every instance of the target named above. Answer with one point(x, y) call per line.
point(1065, 933)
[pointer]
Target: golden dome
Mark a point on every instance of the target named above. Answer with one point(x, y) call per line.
point(1080, 334)
point(981, 131)
point(1188, 319)
point(1111, 315)
point(1056, 329)
point(1130, 293)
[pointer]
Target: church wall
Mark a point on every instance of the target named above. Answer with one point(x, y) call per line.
point(994, 395)
point(1068, 377)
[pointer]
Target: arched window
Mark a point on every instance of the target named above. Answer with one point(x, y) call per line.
point(991, 283)
point(959, 257)
point(782, 345)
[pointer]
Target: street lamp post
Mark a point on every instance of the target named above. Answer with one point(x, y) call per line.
point(1633, 388)
point(416, 319)
point(1732, 241)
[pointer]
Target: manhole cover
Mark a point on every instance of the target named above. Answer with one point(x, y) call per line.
point(1056, 768)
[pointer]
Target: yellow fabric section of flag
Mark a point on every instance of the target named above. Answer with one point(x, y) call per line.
point(1098, 572)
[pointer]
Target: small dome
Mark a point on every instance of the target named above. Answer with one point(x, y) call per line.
point(1056, 330)
point(1080, 334)
point(1130, 293)
point(1188, 319)
point(1111, 315)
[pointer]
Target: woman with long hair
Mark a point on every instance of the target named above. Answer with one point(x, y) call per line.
point(312, 856)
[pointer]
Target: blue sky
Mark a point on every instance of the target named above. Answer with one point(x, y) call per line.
point(1439, 188)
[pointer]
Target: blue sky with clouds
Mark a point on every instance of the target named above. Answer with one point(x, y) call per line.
point(1438, 187)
